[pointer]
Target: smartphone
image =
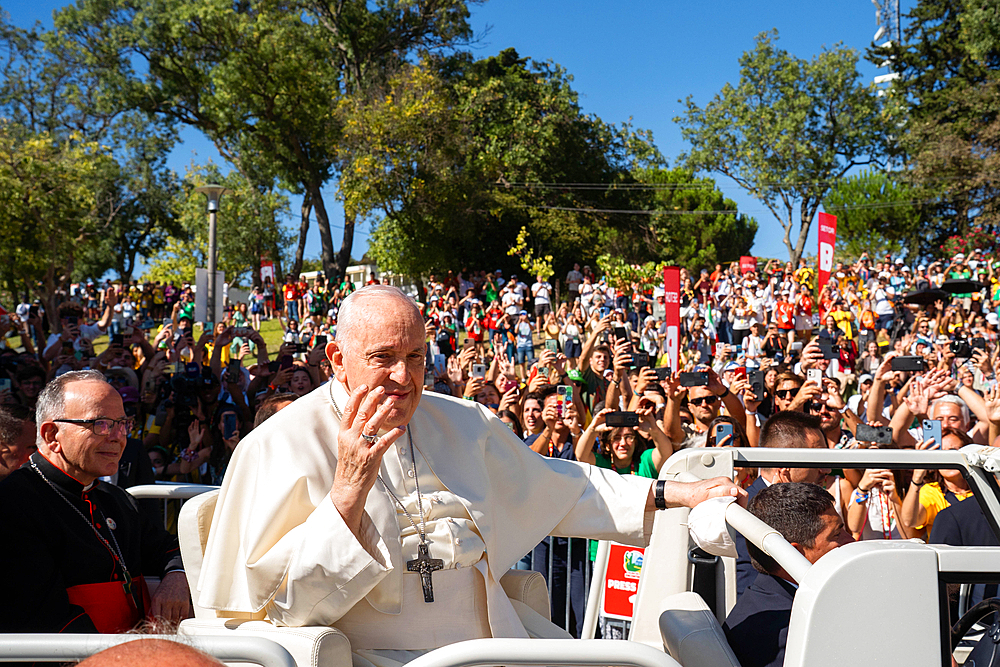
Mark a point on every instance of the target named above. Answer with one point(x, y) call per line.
point(273, 366)
point(696, 379)
point(908, 364)
point(230, 425)
point(33, 311)
point(242, 332)
point(615, 419)
point(931, 430)
point(620, 332)
point(662, 374)
point(740, 372)
point(815, 375)
point(564, 395)
point(285, 362)
point(320, 340)
point(429, 378)
point(167, 321)
point(978, 343)
point(4, 384)
point(171, 368)
point(440, 364)
point(755, 377)
point(72, 321)
point(796, 346)
point(67, 348)
point(479, 370)
point(233, 371)
point(881, 435)
point(117, 340)
point(723, 434)
point(552, 345)
point(640, 359)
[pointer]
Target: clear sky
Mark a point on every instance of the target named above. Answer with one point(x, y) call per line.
point(629, 59)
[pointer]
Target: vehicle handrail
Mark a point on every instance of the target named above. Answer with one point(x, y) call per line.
point(476, 652)
point(53, 647)
point(776, 457)
point(768, 540)
point(169, 491)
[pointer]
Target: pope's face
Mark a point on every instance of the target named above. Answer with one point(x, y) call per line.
point(384, 348)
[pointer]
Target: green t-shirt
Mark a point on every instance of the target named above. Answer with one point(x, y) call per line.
point(644, 469)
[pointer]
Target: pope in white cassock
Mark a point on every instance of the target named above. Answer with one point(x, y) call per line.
point(391, 514)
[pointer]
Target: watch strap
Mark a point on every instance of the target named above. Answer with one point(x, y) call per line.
point(658, 500)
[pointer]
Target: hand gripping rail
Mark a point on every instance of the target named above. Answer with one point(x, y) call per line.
point(768, 540)
point(42, 647)
point(545, 652)
point(169, 491)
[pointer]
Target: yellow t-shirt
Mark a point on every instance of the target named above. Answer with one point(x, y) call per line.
point(933, 500)
point(843, 318)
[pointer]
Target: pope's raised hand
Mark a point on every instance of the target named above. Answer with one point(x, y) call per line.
point(359, 452)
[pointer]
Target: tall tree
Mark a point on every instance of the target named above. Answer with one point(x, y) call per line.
point(451, 158)
point(259, 78)
point(787, 130)
point(877, 213)
point(247, 229)
point(949, 89)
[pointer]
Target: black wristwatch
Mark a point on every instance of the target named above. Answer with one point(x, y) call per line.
point(658, 500)
point(725, 393)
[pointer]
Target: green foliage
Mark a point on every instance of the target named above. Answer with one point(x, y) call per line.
point(712, 232)
point(787, 130)
point(540, 265)
point(452, 157)
point(948, 64)
point(876, 213)
point(247, 229)
point(623, 276)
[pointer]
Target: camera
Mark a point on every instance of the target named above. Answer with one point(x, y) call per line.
point(960, 348)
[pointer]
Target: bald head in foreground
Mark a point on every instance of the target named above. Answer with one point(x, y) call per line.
point(150, 653)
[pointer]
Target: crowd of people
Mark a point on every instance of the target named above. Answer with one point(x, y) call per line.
point(579, 371)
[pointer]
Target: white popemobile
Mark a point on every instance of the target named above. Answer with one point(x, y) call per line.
point(673, 622)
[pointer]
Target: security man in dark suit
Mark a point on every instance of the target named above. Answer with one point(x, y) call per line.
point(787, 429)
point(963, 524)
point(757, 626)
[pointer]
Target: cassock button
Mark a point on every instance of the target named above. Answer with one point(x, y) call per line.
point(409, 473)
point(402, 450)
point(458, 566)
point(458, 541)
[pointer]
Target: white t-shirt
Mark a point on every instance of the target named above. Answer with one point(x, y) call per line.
point(541, 292)
point(511, 302)
point(573, 279)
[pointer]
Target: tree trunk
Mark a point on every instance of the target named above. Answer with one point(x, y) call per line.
point(344, 256)
point(334, 273)
point(303, 232)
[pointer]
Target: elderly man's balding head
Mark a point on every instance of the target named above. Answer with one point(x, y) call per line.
point(367, 305)
point(150, 653)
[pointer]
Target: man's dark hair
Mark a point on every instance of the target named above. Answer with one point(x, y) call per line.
point(269, 406)
point(793, 509)
point(602, 348)
point(70, 309)
point(543, 393)
point(12, 418)
point(787, 429)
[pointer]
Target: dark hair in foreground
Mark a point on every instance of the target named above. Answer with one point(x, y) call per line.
point(12, 418)
point(788, 429)
point(269, 406)
point(794, 510)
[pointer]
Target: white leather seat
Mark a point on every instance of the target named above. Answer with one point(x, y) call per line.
point(692, 635)
point(310, 646)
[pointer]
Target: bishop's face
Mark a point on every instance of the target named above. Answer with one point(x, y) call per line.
point(384, 348)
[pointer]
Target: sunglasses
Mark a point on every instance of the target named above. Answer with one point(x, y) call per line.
point(819, 407)
point(786, 393)
point(707, 400)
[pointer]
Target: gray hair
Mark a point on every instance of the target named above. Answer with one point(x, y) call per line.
point(952, 398)
point(348, 318)
point(51, 403)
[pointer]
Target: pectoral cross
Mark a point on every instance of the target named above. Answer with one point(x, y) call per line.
point(424, 564)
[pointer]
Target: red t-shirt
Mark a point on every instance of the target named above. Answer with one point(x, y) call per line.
point(473, 328)
point(289, 292)
point(804, 306)
point(783, 315)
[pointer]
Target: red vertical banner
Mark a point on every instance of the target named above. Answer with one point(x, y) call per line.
point(672, 318)
point(827, 242)
point(748, 264)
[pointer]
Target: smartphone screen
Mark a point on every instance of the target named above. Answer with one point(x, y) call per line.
point(320, 340)
point(696, 379)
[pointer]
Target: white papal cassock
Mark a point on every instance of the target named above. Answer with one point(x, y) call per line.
point(278, 543)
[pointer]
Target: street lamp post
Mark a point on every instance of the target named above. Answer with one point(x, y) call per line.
point(213, 193)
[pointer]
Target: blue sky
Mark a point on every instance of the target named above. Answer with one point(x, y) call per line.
point(629, 59)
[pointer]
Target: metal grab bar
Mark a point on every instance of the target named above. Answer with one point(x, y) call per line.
point(45, 647)
point(169, 490)
point(768, 540)
point(476, 652)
